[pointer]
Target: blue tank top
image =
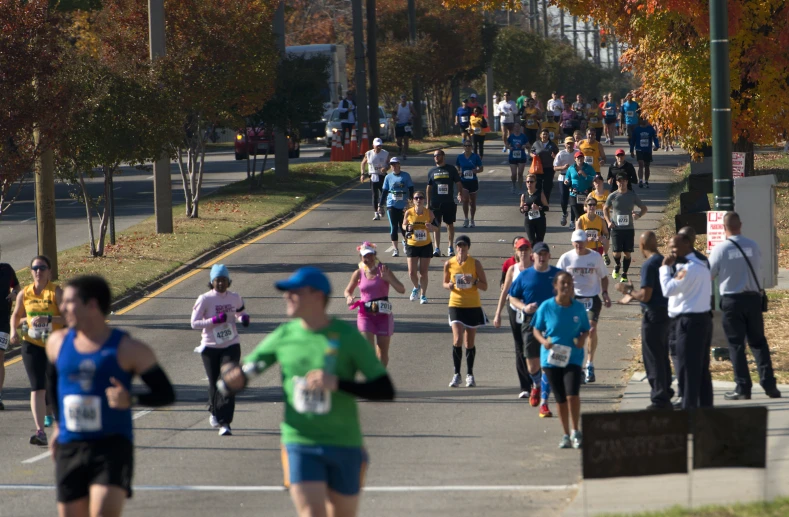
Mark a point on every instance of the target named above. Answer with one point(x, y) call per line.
point(466, 166)
point(518, 146)
point(85, 414)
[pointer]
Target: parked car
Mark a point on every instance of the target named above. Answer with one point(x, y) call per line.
point(262, 140)
point(334, 125)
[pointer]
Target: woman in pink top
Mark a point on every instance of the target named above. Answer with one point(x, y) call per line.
point(216, 313)
point(375, 319)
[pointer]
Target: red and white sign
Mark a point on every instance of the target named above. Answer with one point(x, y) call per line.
point(715, 231)
point(737, 165)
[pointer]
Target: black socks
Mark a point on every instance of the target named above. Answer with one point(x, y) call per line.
point(471, 353)
point(626, 265)
point(457, 358)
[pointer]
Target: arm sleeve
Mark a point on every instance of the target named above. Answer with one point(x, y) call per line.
point(198, 311)
point(52, 390)
point(161, 390)
point(380, 388)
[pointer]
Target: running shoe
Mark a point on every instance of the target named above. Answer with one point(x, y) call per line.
point(225, 431)
point(646, 184)
point(590, 373)
point(544, 411)
point(213, 422)
point(565, 443)
point(465, 223)
point(423, 300)
point(607, 259)
point(450, 251)
point(563, 222)
point(404, 157)
point(395, 253)
point(572, 226)
point(534, 398)
point(472, 224)
point(437, 252)
point(523, 395)
point(615, 274)
point(2, 406)
point(414, 294)
point(640, 184)
point(455, 382)
point(377, 217)
point(503, 149)
point(470, 382)
point(577, 438)
point(40, 438)
point(624, 278)
point(48, 421)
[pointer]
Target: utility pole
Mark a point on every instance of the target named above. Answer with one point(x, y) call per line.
point(575, 33)
point(615, 46)
point(722, 182)
point(545, 18)
point(372, 58)
point(45, 203)
point(361, 76)
point(596, 43)
point(280, 138)
point(586, 40)
point(162, 182)
point(489, 85)
point(416, 126)
point(561, 24)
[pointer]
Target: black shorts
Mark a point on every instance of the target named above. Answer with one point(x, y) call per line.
point(446, 212)
point(531, 134)
point(644, 156)
point(568, 131)
point(470, 186)
point(622, 240)
point(597, 305)
point(35, 359)
point(425, 251)
point(531, 347)
point(610, 120)
point(564, 381)
point(469, 317)
point(508, 125)
point(400, 132)
point(78, 465)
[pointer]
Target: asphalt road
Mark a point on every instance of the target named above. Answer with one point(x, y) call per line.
point(434, 451)
point(133, 202)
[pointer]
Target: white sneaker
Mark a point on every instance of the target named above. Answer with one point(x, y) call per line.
point(470, 381)
point(225, 431)
point(523, 395)
point(565, 443)
point(414, 294)
point(455, 381)
point(213, 421)
point(503, 149)
point(377, 217)
point(465, 223)
point(395, 253)
point(577, 439)
point(472, 224)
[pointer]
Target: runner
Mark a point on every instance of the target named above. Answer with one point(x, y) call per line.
point(417, 225)
point(533, 205)
point(469, 165)
point(554, 107)
point(594, 152)
point(404, 118)
point(620, 217)
point(581, 110)
point(374, 319)
point(507, 264)
point(477, 126)
point(609, 110)
point(569, 120)
point(507, 109)
point(462, 116)
point(596, 120)
point(521, 101)
point(531, 120)
point(630, 112)
point(517, 144)
point(375, 164)
point(38, 305)
point(442, 180)
point(564, 159)
point(546, 150)
point(524, 261)
point(323, 455)
point(579, 178)
point(561, 326)
point(599, 194)
point(89, 379)
point(554, 131)
point(590, 278)
point(644, 140)
point(216, 313)
point(621, 166)
point(529, 290)
point(463, 278)
point(395, 192)
point(9, 289)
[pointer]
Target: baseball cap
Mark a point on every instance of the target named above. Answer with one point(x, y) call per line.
point(394, 159)
point(366, 249)
point(308, 276)
point(540, 247)
point(579, 236)
point(377, 142)
point(619, 151)
point(569, 140)
point(596, 178)
point(473, 96)
point(522, 242)
point(577, 154)
point(464, 239)
point(621, 176)
point(218, 270)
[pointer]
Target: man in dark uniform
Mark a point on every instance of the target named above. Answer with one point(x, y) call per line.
point(621, 165)
point(9, 288)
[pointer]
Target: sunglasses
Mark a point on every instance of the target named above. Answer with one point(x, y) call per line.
point(467, 146)
point(417, 198)
point(39, 268)
point(530, 181)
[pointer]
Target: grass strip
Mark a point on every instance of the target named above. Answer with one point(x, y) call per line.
point(775, 508)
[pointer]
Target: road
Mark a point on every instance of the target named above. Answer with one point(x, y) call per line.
point(434, 451)
point(133, 198)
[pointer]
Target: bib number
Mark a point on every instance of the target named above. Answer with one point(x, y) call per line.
point(589, 159)
point(477, 130)
point(630, 113)
point(530, 122)
point(407, 128)
point(305, 401)
point(622, 220)
point(443, 190)
point(468, 175)
point(591, 235)
point(600, 213)
point(580, 199)
point(519, 316)
point(379, 307)
point(397, 196)
point(534, 214)
point(516, 154)
point(83, 413)
point(463, 120)
point(462, 282)
point(37, 330)
point(588, 303)
point(561, 177)
point(559, 356)
point(4, 340)
point(644, 141)
point(550, 135)
point(420, 235)
point(593, 120)
point(223, 333)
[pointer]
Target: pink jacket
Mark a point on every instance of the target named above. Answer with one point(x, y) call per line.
point(211, 304)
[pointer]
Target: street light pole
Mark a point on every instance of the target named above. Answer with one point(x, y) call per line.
point(361, 76)
point(722, 182)
point(416, 127)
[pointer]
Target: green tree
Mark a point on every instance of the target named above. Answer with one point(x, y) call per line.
point(519, 60)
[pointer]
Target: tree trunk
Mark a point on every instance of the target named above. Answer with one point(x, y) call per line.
point(86, 199)
point(742, 145)
point(103, 216)
point(185, 181)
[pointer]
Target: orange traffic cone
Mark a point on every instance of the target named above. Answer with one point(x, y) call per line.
point(354, 149)
point(346, 155)
point(365, 144)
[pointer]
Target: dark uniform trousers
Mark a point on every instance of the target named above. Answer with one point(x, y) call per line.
point(519, 331)
point(742, 318)
point(691, 334)
point(654, 350)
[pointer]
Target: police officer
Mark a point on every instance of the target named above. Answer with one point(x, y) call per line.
point(688, 290)
point(655, 322)
point(737, 264)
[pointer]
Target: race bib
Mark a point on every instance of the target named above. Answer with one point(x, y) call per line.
point(463, 119)
point(443, 190)
point(477, 130)
point(372, 169)
point(587, 302)
point(316, 402)
point(374, 177)
point(516, 154)
point(593, 120)
point(407, 128)
point(82, 412)
point(397, 196)
point(559, 356)
point(420, 235)
point(37, 330)
point(630, 113)
point(550, 135)
point(379, 307)
point(644, 141)
point(622, 220)
point(591, 235)
point(462, 282)
point(561, 177)
point(589, 159)
point(534, 214)
point(600, 213)
point(223, 333)
point(580, 199)
point(4, 340)
point(519, 316)
point(468, 175)
point(530, 122)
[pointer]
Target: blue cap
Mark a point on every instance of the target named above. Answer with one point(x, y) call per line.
point(308, 276)
point(218, 270)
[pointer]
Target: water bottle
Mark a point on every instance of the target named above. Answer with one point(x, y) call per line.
point(330, 358)
point(24, 328)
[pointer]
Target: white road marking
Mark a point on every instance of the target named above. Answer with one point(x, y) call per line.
point(277, 488)
point(46, 454)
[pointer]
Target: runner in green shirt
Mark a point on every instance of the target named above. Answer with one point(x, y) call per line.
point(319, 356)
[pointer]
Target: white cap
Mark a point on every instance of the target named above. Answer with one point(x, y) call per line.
point(473, 96)
point(377, 142)
point(366, 250)
point(394, 159)
point(579, 236)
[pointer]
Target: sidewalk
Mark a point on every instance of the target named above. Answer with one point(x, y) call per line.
point(709, 487)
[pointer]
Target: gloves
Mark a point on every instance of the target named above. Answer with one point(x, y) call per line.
point(245, 320)
point(219, 318)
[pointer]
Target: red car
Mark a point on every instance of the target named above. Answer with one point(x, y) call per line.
point(261, 140)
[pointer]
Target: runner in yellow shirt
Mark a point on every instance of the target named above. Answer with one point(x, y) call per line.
point(594, 154)
point(531, 120)
point(554, 131)
point(595, 228)
point(600, 194)
point(596, 119)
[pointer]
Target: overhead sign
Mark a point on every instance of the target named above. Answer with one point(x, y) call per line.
point(737, 165)
point(638, 443)
point(729, 437)
point(715, 230)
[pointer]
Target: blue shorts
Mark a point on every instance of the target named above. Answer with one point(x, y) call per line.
point(341, 468)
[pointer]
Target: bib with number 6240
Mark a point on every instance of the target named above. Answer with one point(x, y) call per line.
point(317, 402)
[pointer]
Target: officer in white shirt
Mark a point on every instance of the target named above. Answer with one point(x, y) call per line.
point(688, 291)
point(507, 110)
point(741, 304)
point(375, 164)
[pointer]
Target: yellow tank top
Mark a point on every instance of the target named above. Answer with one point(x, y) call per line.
point(530, 118)
point(593, 229)
point(465, 292)
point(420, 236)
point(595, 119)
point(591, 153)
point(600, 198)
point(43, 304)
point(553, 130)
